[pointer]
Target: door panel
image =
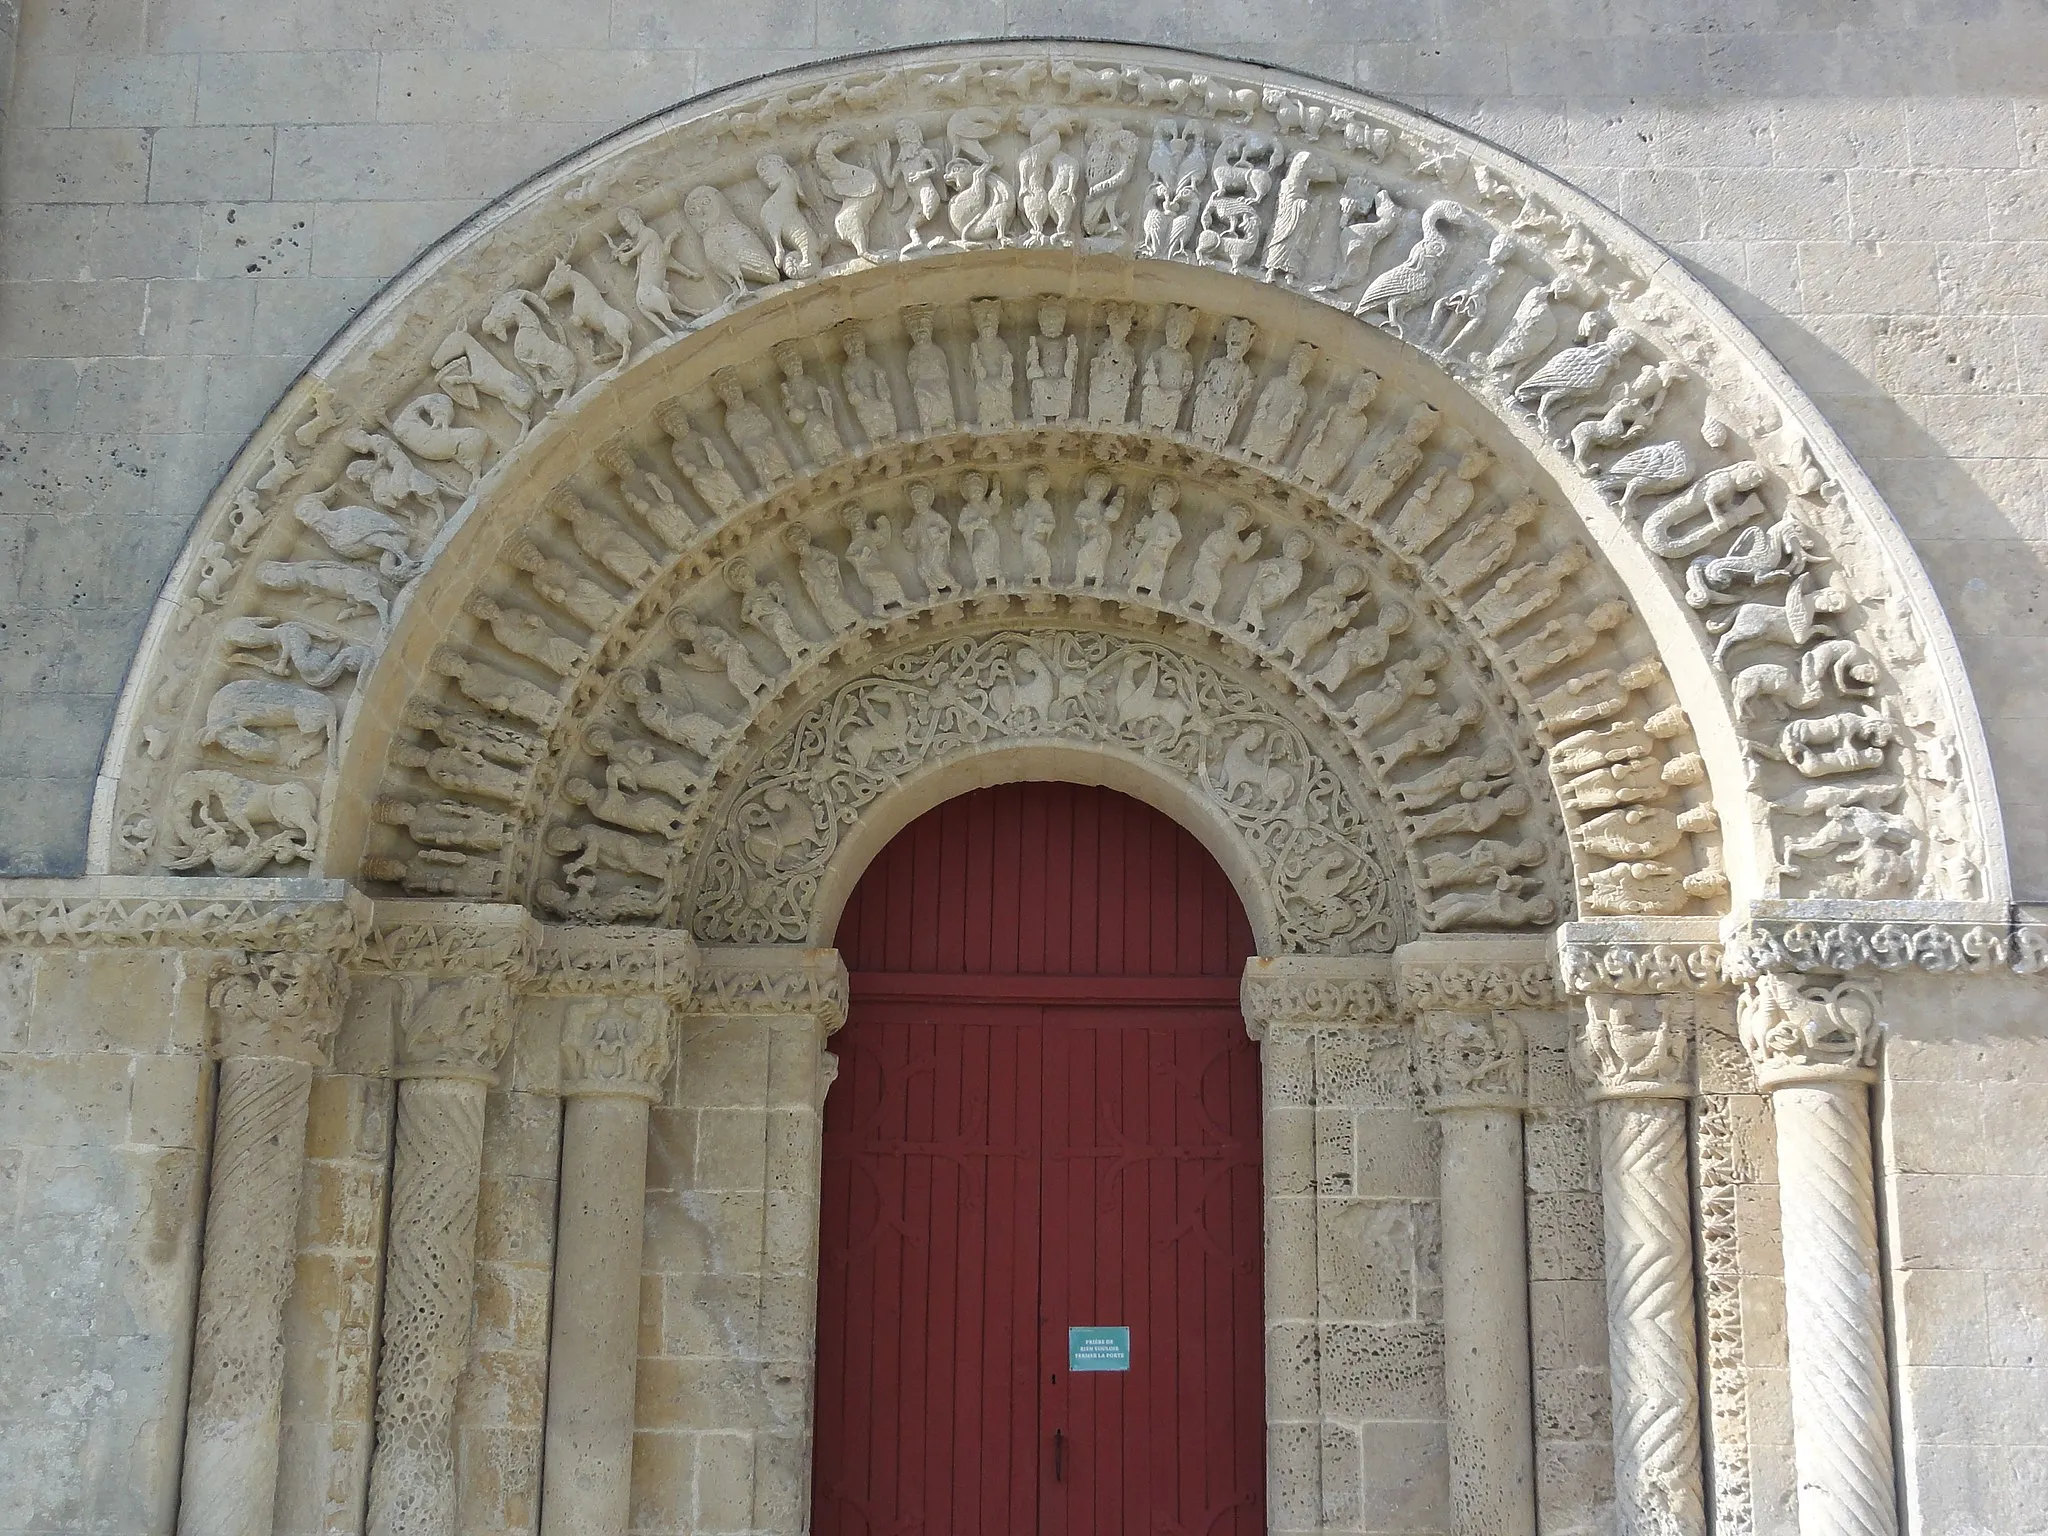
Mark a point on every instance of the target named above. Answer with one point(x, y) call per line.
point(1152, 1221)
point(1046, 1116)
point(928, 1350)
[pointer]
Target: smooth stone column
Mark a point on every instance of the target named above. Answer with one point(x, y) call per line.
point(1632, 1056)
point(451, 1034)
point(274, 1019)
point(1470, 1068)
point(1814, 1047)
point(616, 1055)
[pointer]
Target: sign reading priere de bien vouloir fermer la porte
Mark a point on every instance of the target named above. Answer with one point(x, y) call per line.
point(1098, 1349)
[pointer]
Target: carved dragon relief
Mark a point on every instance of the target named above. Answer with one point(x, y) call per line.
point(1863, 764)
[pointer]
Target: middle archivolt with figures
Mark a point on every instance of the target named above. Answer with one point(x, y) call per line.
point(1153, 393)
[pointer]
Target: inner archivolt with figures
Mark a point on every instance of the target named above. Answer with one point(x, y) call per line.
point(1466, 618)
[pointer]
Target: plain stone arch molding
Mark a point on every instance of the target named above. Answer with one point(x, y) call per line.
point(1066, 763)
point(1891, 765)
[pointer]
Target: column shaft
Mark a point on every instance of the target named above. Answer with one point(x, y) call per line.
point(1486, 1323)
point(1834, 1312)
point(1652, 1347)
point(594, 1348)
point(429, 1282)
point(252, 1211)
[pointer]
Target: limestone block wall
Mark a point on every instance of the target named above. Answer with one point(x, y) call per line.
point(105, 1103)
point(193, 196)
point(1966, 1191)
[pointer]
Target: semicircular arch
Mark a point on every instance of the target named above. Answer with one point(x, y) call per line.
point(503, 415)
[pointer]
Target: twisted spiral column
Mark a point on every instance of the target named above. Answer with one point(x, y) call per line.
point(1631, 1056)
point(1814, 1048)
point(274, 1018)
point(452, 1035)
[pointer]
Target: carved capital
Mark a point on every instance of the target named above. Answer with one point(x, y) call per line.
point(453, 1027)
point(1634, 1046)
point(1797, 1031)
point(1469, 1060)
point(449, 938)
point(614, 962)
point(279, 1005)
point(617, 1045)
point(772, 979)
point(1316, 993)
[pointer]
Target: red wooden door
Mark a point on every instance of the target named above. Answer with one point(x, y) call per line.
point(1046, 1117)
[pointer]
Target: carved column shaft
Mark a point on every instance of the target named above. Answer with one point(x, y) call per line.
point(452, 1035)
point(615, 1056)
point(1470, 1067)
point(1632, 1057)
point(275, 1017)
point(1814, 1048)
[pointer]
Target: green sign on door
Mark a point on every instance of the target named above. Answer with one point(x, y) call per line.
point(1098, 1349)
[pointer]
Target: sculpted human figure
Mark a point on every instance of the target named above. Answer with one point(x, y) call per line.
point(1049, 364)
point(1462, 311)
point(498, 692)
point(1337, 435)
point(1329, 608)
point(981, 503)
point(752, 433)
point(645, 249)
point(930, 538)
point(709, 648)
point(995, 370)
point(462, 771)
point(807, 406)
point(1280, 408)
point(913, 177)
point(1226, 385)
point(1157, 535)
point(1477, 814)
point(1443, 499)
point(1527, 590)
point(1366, 215)
point(1394, 463)
point(1360, 650)
point(1437, 730)
point(1096, 516)
point(1169, 373)
point(1034, 522)
point(867, 387)
point(1112, 368)
point(526, 634)
point(671, 713)
point(1565, 639)
point(1272, 584)
point(1402, 681)
point(931, 377)
point(1487, 547)
point(865, 553)
point(1225, 546)
point(763, 608)
point(818, 569)
point(603, 541)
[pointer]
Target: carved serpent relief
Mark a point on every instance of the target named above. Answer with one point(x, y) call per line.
point(1488, 274)
point(773, 837)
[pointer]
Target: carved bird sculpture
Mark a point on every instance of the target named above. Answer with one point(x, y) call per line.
point(732, 251)
point(1400, 288)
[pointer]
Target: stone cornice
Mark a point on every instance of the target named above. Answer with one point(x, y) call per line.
point(449, 938)
point(1639, 956)
point(785, 979)
point(614, 962)
point(1477, 973)
point(1313, 992)
point(1843, 938)
point(174, 913)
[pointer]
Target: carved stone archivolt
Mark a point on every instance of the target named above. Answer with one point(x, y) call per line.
point(1590, 481)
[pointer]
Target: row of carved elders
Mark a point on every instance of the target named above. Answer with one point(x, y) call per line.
point(1251, 203)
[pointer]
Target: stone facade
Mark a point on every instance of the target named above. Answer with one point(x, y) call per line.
point(1606, 778)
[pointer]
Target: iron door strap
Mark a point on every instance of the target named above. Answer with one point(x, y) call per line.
point(1059, 1455)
